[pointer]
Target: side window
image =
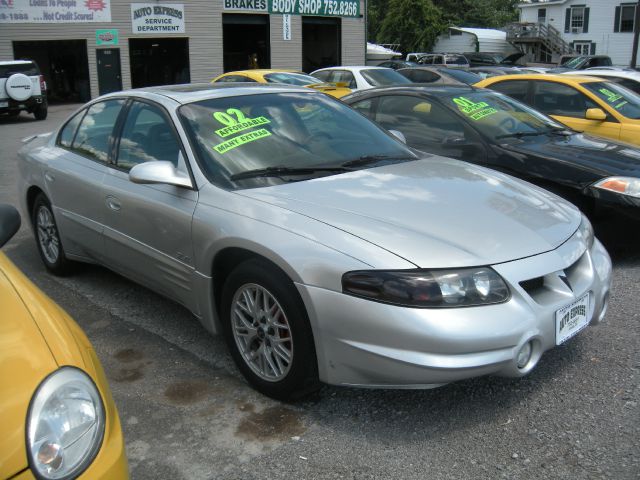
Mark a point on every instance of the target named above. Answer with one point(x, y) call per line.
point(147, 136)
point(96, 130)
point(69, 130)
point(425, 125)
point(515, 89)
point(364, 107)
point(438, 60)
point(323, 76)
point(234, 79)
point(558, 99)
point(344, 76)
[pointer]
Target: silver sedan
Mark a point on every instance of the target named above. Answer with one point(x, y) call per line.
point(322, 247)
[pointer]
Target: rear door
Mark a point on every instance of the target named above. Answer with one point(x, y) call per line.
point(74, 176)
point(148, 227)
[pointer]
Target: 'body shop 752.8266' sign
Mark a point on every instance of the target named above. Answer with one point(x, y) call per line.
point(325, 8)
point(154, 18)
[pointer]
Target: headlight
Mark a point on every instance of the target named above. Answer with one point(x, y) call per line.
point(585, 231)
point(624, 185)
point(65, 425)
point(428, 288)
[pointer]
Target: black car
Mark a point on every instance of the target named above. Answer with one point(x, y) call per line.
point(491, 129)
point(397, 64)
point(492, 59)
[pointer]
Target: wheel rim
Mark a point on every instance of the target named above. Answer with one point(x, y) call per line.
point(262, 332)
point(47, 235)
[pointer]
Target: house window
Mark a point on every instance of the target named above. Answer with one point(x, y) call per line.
point(627, 16)
point(577, 19)
point(582, 48)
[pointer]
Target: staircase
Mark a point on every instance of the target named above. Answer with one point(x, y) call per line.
point(538, 38)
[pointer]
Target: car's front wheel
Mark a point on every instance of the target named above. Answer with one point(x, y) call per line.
point(268, 332)
point(48, 238)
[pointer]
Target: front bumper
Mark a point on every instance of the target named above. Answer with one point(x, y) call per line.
point(365, 343)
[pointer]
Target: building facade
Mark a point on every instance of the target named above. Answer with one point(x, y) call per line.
point(90, 47)
point(589, 27)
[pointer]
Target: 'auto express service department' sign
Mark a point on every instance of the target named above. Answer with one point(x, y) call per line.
point(55, 11)
point(326, 8)
point(157, 18)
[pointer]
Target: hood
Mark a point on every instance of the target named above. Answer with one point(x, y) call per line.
point(512, 59)
point(25, 360)
point(591, 158)
point(435, 212)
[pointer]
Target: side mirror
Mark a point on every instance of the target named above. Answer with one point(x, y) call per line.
point(399, 135)
point(159, 172)
point(9, 223)
point(595, 114)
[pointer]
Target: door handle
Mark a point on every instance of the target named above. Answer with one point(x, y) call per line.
point(48, 177)
point(113, 203)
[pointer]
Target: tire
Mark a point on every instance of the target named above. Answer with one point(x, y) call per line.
point(14, 113)
point(47, 237)
point(41, 112)
point(284, 331)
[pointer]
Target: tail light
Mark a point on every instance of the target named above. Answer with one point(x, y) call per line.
point(43, 84)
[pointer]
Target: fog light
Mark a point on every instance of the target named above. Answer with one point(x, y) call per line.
point(524, 355)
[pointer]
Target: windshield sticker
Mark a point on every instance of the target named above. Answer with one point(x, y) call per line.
point(611, 96)
point(474, 110)
point(237, 124)
point(243, 139)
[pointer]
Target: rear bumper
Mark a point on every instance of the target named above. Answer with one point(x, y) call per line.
point(29, 104)
point(364, 343)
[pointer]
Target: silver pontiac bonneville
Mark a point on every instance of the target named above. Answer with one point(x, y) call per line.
point(322, 247)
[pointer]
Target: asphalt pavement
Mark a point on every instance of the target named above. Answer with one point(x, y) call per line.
point(188, 414)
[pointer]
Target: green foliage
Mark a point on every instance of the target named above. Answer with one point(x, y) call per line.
point(414, 24)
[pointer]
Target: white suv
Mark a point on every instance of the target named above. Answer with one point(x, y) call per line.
point(22, 87)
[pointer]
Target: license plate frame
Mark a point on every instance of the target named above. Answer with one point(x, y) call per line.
point(572, 318)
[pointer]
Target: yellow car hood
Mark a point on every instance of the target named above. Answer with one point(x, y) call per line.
point(25, 359)
point(36, 337)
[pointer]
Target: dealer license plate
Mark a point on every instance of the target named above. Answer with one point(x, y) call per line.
point(4, 104)
point(572, 318)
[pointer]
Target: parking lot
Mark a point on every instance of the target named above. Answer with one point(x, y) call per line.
point(187, 412)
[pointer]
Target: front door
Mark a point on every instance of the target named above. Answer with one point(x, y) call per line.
point(148, 227)
point(109, 75)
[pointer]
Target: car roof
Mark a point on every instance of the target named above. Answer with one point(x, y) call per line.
point(631, 74)
point(545, 76)
point(194, 92)
point(16, 62)
point(353, 68)
point(262, 71)
point(426, 89)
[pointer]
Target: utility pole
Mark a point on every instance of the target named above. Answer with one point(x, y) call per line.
point(636, 34)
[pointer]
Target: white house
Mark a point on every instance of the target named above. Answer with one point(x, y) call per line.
point(461, 40)
point(600, 27)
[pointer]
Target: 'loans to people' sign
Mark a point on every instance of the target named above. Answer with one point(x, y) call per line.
point(55, 11)
point(157, 18)
point(325, 8)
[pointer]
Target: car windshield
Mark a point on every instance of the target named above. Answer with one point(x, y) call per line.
point(574, 62)
point(309, 132)
point(379, 77)
point(290, 78)
point(465, 77)
point(498, 116)
point(621, 99)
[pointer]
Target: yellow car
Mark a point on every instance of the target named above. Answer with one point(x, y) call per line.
point(587, 104)
point(57, 414)
point(289, 77)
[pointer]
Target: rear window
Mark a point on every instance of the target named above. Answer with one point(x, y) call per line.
point(465, 77)
point(28, 69)
point(381, 77)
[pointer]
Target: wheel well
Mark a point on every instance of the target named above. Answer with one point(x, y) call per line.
point(32, 193)
point(224, 263)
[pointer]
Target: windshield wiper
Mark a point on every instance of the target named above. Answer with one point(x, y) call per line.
point(552, 130)
point(369, 159)
point(284, 171)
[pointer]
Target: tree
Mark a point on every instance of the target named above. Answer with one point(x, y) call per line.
point(414, 24)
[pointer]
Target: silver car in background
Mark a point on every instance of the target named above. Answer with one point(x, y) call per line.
point(320, 246)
